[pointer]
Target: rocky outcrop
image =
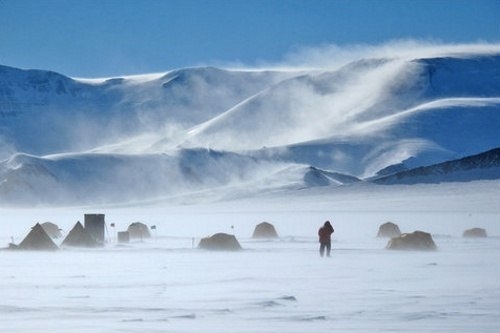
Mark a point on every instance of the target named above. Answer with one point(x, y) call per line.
point(220, 242)
point(417, 240)
point(475, 233)
point(388, 230)
point(264, 230)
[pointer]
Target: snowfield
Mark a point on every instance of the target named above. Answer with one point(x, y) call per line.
point(167, 284)
point(281, 286)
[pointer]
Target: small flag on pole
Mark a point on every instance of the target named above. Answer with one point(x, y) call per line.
point(153, 227)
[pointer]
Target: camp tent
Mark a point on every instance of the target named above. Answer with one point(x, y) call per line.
point(220, 242)
point(51, 229)
point(138, 230)
point(37, 239)
point(79, 237)
point(264, 230)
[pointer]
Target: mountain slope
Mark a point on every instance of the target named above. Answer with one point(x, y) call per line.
point(424, 110)
point(69, 179)
point(36, 106)
point(194, 130)
point(477, 167)
point(348, 102)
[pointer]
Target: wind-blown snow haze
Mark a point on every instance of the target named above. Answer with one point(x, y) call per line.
point(405, 132)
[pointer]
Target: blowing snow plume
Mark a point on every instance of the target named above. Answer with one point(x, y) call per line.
point(314, 106)
point(331, 56)
point(69, 179)
point(338, 99)
point(332, 116)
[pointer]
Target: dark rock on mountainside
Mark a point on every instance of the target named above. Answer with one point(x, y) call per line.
point(485, 165)
point(417, 240)
point(388, 230)
point(475, 233)
point(220, 242)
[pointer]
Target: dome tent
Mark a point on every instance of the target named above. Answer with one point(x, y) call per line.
point(264, 230)
point(475, 233)
point(220, 242)
point(417, 240)
point(138, 230)
point(51, 229)
point(389, 230)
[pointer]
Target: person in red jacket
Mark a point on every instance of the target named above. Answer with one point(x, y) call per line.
point(325, 241)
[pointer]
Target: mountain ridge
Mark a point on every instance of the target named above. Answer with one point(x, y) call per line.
point(204, 128)
point(468, 168)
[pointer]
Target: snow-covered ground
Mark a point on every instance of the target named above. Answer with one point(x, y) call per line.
point(164, 284)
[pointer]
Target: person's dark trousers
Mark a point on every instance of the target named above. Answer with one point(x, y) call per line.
point(323, 247)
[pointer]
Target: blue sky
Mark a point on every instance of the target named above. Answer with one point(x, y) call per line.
point(98, 38)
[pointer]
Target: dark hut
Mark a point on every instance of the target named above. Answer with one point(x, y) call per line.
point(80, 237)
point(95, 225)
point(37, 239)
point(51, 229)
point(123, 237)
point(264, 230)
point(220, 242)
point(475, 233)
point(388, 230)
point(417, 240)
point(138, 230)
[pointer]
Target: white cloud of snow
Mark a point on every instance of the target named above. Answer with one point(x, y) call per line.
point(335, 56)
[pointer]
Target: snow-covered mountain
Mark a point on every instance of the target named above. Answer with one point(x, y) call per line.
point(44, 112)
point(477, 167)
point(195, 130)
